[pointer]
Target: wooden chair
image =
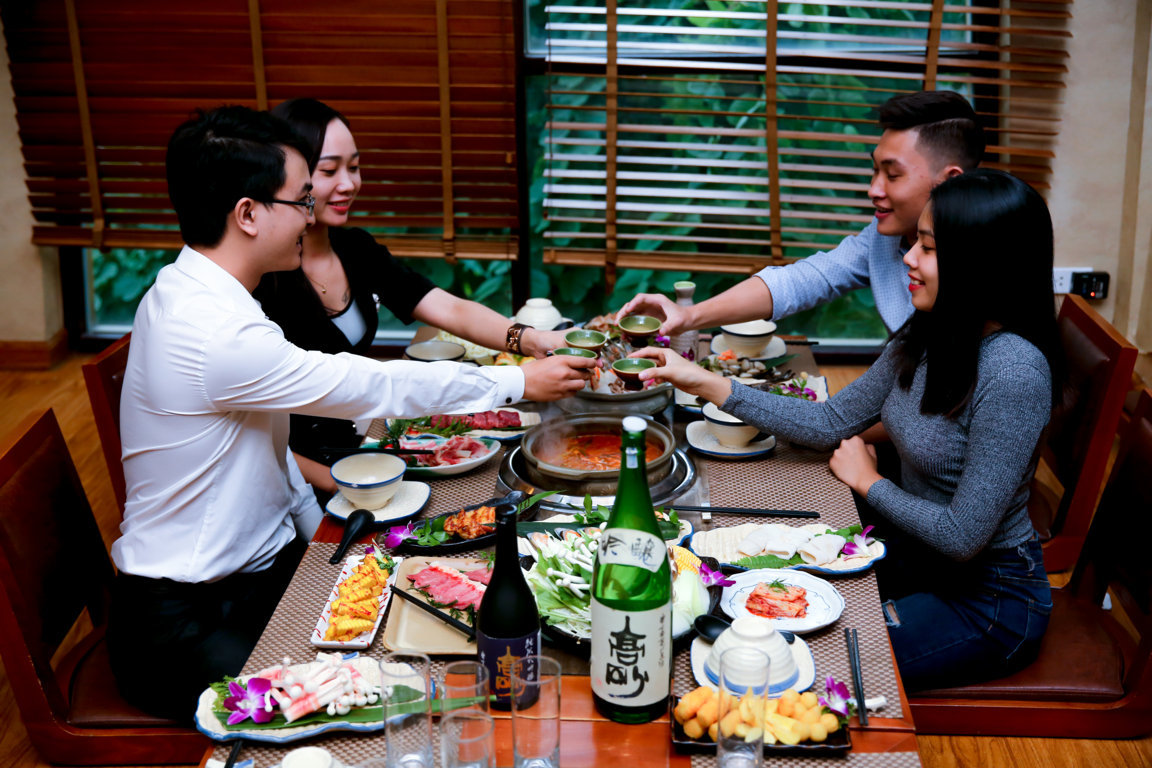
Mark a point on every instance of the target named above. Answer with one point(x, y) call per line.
point(1079, 439)
point(1093, 677)
point(53, 566)
point(104, 378)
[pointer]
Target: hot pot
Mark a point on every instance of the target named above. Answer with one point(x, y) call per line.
point(544, 440)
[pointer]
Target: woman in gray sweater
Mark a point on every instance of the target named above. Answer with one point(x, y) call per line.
point(964, 389)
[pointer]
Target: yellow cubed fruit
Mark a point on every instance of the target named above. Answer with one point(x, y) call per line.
point(809, 699)
point(754, 732)
point(770, 706)
point(802, 730)
point(713, 730)
point(830, 722)
point(729, 721)
point(819, 733)
point(709, 711)
point(741, 730)
point(693, 729)
point(810, 716)
point(785, 707)
point(791, 695)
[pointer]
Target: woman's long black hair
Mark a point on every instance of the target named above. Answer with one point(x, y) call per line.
point(310, 119)
point(994, 256)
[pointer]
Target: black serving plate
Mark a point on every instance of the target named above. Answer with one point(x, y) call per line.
point(836, 745)
point(457, 544)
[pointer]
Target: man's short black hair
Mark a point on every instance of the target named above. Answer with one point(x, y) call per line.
point(945, 123)
point(219, 157)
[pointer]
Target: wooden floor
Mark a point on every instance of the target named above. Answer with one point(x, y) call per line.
point(23, 392)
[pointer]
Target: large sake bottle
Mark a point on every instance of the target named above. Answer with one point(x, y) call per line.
point(632, 598)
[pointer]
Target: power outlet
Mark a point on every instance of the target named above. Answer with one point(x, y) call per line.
point(1062, 278)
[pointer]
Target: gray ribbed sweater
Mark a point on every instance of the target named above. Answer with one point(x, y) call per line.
point(965, 480)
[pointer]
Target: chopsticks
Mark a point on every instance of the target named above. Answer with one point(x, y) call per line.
point(233, 754)
point(853, 640)
point(455, 623)
point(747, 511)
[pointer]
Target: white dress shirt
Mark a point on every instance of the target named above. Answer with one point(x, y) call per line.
point(210, 381)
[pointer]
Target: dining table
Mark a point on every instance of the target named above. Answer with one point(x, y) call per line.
point(789, 477)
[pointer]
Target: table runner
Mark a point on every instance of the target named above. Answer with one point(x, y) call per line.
point(810, 485)
point(851, 760)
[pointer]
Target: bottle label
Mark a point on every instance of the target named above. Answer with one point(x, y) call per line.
point(631, 458)
point(628, 546)
point(498, 655)
point(631, 654)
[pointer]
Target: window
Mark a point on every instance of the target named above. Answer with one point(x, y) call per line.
point(706, 137)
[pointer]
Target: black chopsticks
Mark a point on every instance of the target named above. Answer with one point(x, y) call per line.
point(233, 753)
point(747, 511)
point(853, 639)
point(456, 623)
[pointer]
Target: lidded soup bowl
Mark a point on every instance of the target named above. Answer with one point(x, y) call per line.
point(756, 632)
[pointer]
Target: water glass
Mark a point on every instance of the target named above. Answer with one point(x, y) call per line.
point(407, 697)
point(465, 686)
point(466, 739)
point(536, 712)
point(743, 688)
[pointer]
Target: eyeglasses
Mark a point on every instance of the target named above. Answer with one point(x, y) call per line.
point(308, 203)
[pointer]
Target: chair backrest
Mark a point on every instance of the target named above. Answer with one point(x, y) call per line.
point(1079, 439)
point(104, 378)
point(53, 563)
point(1115, 556)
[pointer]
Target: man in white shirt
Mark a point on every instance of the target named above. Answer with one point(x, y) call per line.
point(217, 513)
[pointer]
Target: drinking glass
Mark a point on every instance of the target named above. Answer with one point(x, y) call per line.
point(406, 691)
point(465, 686)
point(743, 675)
point(466, 739)
point(536, 712)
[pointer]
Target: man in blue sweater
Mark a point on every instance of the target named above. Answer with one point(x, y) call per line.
point(928, 137)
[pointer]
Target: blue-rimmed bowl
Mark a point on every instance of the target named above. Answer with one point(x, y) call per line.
point(369, 480)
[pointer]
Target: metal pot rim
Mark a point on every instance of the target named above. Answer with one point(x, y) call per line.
point(611, 420)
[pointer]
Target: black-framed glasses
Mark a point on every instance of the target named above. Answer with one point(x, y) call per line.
point(308, 203)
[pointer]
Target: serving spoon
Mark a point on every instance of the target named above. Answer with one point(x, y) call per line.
point(710, 627)
point(358, 522)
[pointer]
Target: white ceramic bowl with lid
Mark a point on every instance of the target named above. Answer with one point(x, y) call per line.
point(756, 632)
point(748, 339)
point(369, 480)
point(540, 314)
point(726, 428)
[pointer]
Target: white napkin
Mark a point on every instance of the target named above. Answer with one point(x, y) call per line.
point(822, 549)
point(774, 539)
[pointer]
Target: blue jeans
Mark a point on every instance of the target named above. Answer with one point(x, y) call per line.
point(957, 623)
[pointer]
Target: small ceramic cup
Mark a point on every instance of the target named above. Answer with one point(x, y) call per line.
point(574, 352)
point(628, 371)
point(727, 429)
point(582, 338)
point(638, 330)
point(748, 339)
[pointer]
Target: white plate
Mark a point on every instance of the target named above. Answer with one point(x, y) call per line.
point(702, 440)
point(364, 639)
point(825, 603)
point(528, 419)
point(459, 467)
point(210, 726)
point(774, 348)
point(411, 497)
point(801, 653)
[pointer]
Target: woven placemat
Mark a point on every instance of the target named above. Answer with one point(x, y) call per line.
point(852, 759)
point(810, 486)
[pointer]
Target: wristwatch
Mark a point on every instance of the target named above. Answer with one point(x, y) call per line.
point(512, 340)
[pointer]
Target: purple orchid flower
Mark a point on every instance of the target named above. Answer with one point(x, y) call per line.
point(255, 701)
point(397, 534)
point(661, 341)
point(711, 577)
point(858, 545)
point(835, 697)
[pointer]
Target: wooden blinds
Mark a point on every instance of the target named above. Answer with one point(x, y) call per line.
point(429, 88)
point(723, 136)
